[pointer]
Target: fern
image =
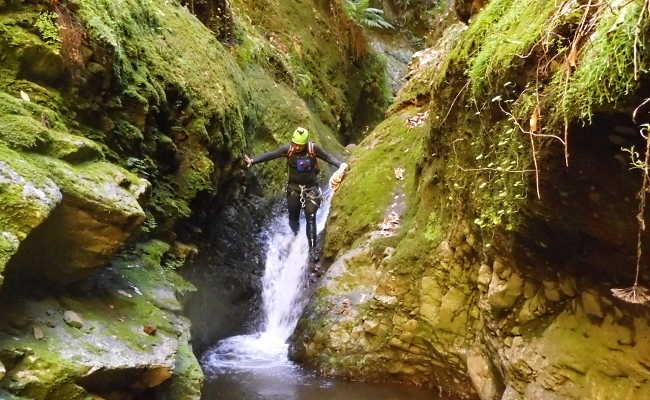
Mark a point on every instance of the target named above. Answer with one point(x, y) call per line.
point(361, 12)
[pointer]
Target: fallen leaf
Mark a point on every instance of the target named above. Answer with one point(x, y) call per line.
point(417, 120)
point(25, 96)
point(399, 174)
point(572, 58)
point(534, 120)
point(150, 329)
point(38, 333)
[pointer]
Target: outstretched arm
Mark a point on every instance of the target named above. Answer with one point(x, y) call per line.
point(271, 155)
point(322, 154)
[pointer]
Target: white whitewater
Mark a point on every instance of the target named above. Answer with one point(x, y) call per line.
point(284, 278)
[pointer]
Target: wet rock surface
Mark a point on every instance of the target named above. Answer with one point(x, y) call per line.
point(111, 355)
point(123, 124)
point(482, 310)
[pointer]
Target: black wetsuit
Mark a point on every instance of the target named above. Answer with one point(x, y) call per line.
point(303, 189)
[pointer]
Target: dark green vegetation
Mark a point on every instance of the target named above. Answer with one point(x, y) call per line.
point(123, 122)
point(497, 283)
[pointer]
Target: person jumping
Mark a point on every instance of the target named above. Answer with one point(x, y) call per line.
point(303, 190)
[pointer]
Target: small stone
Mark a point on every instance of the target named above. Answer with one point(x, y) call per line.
point(371, 327)
point(551, 291)
point(3, 370)
point(395, 342)
point(73, 319)
point(444, 249)
point(500, 268)
point(568, 287)
point(410, 325)
point(388, 252)
point(484, 276)
point(25, 96)
point(386, 300)
point(150, 329)
point(530, 289)
point(591, 304)
point(38, 333)
point(483, 375)
point(503, 294)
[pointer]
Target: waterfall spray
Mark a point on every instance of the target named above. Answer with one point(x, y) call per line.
point(283, 299)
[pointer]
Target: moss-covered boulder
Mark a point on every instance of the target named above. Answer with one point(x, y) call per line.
point(99, 211)
point(28, 197)
point(129, 337)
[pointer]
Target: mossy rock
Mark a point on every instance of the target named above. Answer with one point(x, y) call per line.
point(99, 211)
point(188, 377)
point(73, 148)
point(28, 197)
point(371, 185)
point(23, 133)
point(113, 351)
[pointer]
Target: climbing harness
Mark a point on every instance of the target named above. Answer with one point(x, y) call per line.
point(311, 150)
point(312, 194)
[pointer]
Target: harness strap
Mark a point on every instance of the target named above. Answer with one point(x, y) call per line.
point(312, 195)
point(311, 150)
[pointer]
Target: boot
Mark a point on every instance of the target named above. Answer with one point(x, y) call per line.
point(311, 237)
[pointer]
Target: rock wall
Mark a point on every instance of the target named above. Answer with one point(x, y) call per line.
point(122, 128)
point(447, 268)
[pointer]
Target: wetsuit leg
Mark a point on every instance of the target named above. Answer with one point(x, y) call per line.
point(311, 229)
point(312, 204)
point(293, 206)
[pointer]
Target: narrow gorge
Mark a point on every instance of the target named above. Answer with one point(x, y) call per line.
point(481, 246)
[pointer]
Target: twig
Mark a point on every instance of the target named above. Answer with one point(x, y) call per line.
point(636, 110)
point(641, 215)
point(454, 102)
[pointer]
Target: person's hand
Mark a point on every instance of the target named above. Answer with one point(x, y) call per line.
point(248, 160)
point(337, 177)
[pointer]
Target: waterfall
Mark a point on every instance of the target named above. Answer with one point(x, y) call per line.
point(285, 274)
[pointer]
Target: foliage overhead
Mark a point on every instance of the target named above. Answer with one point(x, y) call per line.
point(361, 12)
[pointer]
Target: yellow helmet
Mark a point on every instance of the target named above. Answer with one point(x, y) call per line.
point(300, 136)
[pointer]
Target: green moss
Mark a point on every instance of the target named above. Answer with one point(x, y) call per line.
point(8, 396)
point(159, 33)
point(605, 74)
point(294, 53)
point(48, 29)
point(107, 187)
point(370, 185)
point(27, 195)
point(8, 247)
point(112, 335)
point(187, 380)
point(517, 52)
point(511, 29)
point(22, 133)
point(153, 252)
point(72, 148)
